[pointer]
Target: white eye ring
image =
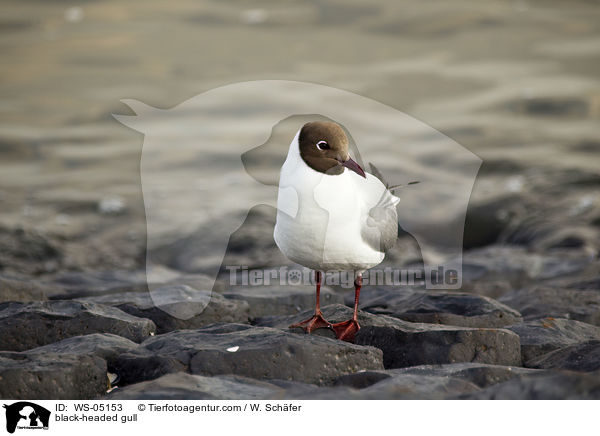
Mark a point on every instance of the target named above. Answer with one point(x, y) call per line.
point(322, 145)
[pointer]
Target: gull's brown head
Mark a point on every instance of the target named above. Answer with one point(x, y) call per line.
point(324, 147)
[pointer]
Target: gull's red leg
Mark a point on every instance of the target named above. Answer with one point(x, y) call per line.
point(317, 320)
point(347, 329)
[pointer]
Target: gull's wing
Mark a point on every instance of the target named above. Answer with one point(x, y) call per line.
point(381, 228)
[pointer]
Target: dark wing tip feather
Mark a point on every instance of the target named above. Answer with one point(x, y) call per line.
point(377, 173)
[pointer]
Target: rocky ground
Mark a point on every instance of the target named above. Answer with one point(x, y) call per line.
point(515, 82)
point(537, 341)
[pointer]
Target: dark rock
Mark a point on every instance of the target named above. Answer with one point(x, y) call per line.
point(324, 393)
point(263, 353)
point(138, 366)
point(555, 227)
point(518, 265)
point(545, 301)
point(485, 222)
point(292, 388)
point(29, 325)
point(574, 238)
point(21, 289)
point(362, 379)
point(500, 166)
point(548, 334)
point(183, 386)
point(586, 280)
point(398, 387)
point(481, 375)
point(104, 345)
point(195, 308)
point(580, 357)
point(439, 307)
point(551, 106)
point(425, 345)
point(409, 344)
point(28, 251)
point(252, 245)
point(571, 239)
point(497, 270)
point(587, 146)
point(76, 285)
point(280, 300)
point(51, 376)
point(549, 385)
point(412, 386)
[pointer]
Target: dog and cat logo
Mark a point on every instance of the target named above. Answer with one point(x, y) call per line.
point(26, 415)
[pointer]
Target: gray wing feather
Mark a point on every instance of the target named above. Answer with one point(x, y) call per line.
point(381, 230)
point(375, 171)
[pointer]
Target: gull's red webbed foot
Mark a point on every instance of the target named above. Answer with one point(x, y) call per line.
point(346, 330)
point(317, 321)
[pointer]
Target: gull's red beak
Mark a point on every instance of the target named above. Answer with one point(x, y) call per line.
point(353, 166)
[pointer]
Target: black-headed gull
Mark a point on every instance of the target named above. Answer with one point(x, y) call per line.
point(332, 216)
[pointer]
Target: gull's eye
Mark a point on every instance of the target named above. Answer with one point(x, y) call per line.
point(323, 145)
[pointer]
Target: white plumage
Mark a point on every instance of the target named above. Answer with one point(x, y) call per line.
point(333, 222)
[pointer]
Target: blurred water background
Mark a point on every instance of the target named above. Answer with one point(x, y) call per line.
point(515, 82)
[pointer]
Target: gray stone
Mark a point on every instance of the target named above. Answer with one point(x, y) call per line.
point(29, 325)
point(198, 308)
point(580, 357)
point(325, 393)
point(21, 289)
point(292, 389)
point(139, 366)
point(481, 375)
point(517, 264)
point(550, 106)
point(588, 280)
point(78, 285)
point(548, 385)
point(28, 251)
point(424, 345)
point(104, 345)
point(183, 386)
point(498, 269)
point(439, 307)
point(397, 387)
point(51, 376)
point(544, 335)
point(544, 301)
point(252, 246)
point(362, 379)
point(413, 386)
point(281, 300)
point(408, 344)
point(486, 221)
point(263, 353)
